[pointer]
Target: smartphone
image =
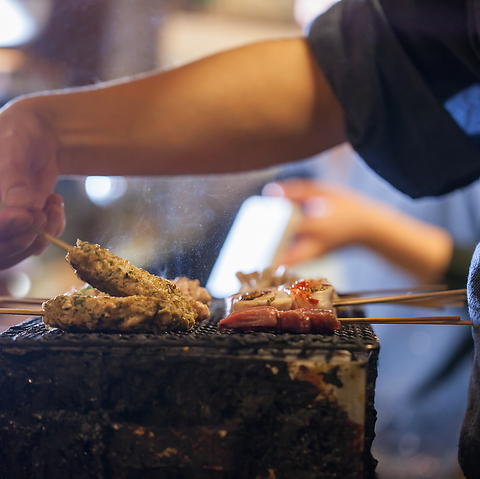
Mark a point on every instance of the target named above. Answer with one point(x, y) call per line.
point(261, 231)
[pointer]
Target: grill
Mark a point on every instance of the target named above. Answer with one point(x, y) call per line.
point(33, 334)
point(204, 403)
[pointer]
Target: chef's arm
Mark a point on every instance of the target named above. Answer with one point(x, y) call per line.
point(243, 109)
point(246, 108)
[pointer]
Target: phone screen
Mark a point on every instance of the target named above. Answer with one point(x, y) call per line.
point(260, 232)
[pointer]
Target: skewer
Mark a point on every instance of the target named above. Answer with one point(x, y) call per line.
point(398, 298)
point(445, 320)
point(51, 238)
point(27, 312)
point(407, 290)
point(9, 299)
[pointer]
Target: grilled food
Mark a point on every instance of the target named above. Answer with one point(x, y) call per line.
point(304, 306)
point(129, 314)
point(122, 297)
point(198, 296)
point(268, 318)
point(116, 276)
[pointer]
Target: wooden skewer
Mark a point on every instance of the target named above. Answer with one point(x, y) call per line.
point(410, 289)
point(452, 320)
point(400, 298)
point(51, 238)
point(347, 300)
point(8, 299)
point(27, 312)
point(445, 320)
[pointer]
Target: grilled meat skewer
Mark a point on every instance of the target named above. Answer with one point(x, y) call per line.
point(117, 277)
point(130, 314)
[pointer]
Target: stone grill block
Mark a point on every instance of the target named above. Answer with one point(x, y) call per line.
point(198, 404)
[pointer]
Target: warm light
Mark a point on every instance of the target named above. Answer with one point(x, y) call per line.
point(18, 284)
point(17, 24)
point(104, 190)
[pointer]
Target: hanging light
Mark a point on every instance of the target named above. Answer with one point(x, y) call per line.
point(104, 190)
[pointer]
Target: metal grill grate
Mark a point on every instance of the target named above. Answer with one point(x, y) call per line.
point(34, 334)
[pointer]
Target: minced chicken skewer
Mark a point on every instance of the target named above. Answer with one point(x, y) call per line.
point(117, 277)
point(135, 300)
point(129, 314)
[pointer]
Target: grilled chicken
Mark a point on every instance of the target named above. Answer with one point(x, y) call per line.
point(271, 297)
point(130, 314)
point(117, 277)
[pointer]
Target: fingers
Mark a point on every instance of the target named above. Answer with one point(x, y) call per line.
point(298, 190)
point(16, 238)
point(28, 165)
point(302, 249)
point(55, 221)
point(13, 221)
point(18, 241)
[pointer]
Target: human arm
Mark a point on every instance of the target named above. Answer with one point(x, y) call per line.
point(243, 109)
point(247, 108)
point(336, 216)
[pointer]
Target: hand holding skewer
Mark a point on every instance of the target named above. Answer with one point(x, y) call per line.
point(53, 239)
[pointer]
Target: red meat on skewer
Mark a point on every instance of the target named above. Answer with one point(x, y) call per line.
point(268, 318)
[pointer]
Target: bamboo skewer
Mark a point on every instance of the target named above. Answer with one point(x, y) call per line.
point(439, 295)
point(10, 300)
point(407, 290)
point(452, 320)
point(51, 238)
point(27, 312)
point(441, 320)
point(348, 300)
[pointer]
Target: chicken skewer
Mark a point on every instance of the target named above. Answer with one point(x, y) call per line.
point(93, 265)
point(83, 255)
point(304, 306)
point(117, 277)
point(445, 320)
point(128, 314)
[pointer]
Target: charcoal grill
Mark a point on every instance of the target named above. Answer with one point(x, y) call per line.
point(198, 404)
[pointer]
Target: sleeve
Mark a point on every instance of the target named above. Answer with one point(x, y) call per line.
point(395, 118)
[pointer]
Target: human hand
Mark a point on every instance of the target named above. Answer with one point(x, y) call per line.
point(333, 216)
point(28, 174)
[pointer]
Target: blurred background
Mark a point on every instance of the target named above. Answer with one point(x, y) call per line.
point(177, 225)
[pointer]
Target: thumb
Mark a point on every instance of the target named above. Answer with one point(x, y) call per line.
point(19, 195)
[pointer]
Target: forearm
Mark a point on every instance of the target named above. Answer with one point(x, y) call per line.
point(249, 108)
point(423, 249)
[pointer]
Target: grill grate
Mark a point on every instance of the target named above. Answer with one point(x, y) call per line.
point(33, 333)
